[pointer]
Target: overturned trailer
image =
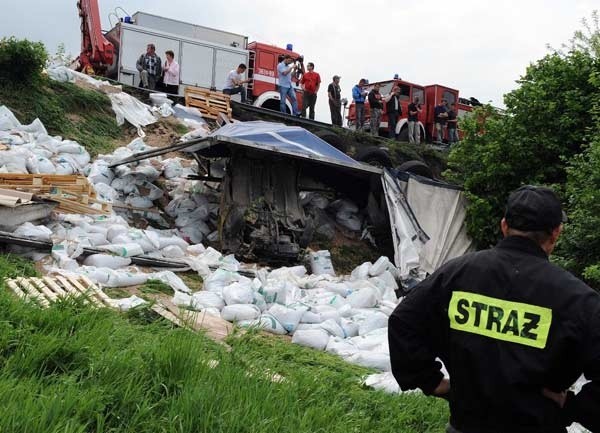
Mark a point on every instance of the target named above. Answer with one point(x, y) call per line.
point(268, 165)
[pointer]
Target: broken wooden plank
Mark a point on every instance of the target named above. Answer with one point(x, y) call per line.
point(88, 291)
point(107, 300)
point(73, 290)
point(39, 284)
point(16, 289)
point(57, 289)
point(32, 291)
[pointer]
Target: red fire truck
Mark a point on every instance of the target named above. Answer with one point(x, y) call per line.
point(429, 97)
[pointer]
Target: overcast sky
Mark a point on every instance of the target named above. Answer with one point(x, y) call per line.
point(478, 47)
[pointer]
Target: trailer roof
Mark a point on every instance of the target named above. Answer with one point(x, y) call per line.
point(188, 23)
point(273, 139)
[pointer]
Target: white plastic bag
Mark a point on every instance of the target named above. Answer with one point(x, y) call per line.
point(204, 299)
point(333, 328)
point(106, 261)
point(32, 231)
point(239, 312)
point(124, 250)
point(315, 338)
point(171, 280)
point(380, 266)
point(172, 252)
point(320, 263)
point(288, 317)
point(379, 361)
point(269, 323)
point(238, 293)
point(376, 320)
point(361, 272)
point(363, 298)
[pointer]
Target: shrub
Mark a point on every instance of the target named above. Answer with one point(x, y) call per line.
point(21, 61)
point(545, 125)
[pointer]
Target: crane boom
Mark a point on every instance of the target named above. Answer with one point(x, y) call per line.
point(96, 51)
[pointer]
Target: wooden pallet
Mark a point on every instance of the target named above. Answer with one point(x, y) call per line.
point(73, 193)
point(47, 290)
point(210, 103)
point(47, 183)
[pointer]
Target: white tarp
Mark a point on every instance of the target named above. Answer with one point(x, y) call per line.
point(404, 234)
point(421, 205)
point(125, 106)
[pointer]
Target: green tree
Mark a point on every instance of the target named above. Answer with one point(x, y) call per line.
point(546, 123)
point(21, 61)
point(580, 246)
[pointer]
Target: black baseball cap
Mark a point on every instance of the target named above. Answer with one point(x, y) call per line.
point(534, 208)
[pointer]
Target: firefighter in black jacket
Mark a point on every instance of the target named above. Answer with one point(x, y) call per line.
point(513, 330)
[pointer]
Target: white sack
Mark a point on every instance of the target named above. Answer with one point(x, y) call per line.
point(106, 261)
point(240, 312)
point(315, 338)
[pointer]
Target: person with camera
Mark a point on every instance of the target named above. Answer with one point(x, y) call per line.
point(310, 81)
point(285, 71)
point(414, 131)
point(335, 103)
point(358, 95)
point(394, 110)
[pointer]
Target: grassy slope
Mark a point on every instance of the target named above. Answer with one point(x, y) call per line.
point(74, 369)
point(66, 110)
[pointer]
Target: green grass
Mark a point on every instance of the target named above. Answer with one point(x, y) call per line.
point(156, 287)
point(71, 368)
point(66, 110)
point(192, 280)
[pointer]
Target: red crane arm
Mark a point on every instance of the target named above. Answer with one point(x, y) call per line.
point(96, 51)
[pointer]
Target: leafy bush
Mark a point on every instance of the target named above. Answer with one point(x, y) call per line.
point(580, 246)
point(546, 124)
point(21, 61)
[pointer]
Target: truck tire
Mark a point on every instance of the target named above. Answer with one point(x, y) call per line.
point(333, 139)
point(416, 167)
point(403, 136)
point(374, 156)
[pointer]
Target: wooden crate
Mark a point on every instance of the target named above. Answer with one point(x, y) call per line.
point(208, 102)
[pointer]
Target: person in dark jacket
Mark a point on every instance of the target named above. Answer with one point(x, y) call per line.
point(150, 68)
point(393, 110)
point(513, 330)
point(335, 103)
point(376, 108)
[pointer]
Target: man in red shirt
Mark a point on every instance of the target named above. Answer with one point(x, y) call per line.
point(311, 81)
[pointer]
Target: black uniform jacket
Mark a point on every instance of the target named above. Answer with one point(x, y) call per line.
point(506, 323)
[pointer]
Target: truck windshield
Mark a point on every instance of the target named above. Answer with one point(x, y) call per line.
point(449, 96)
point(418, 93)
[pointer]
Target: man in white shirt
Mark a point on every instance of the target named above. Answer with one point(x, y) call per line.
point(235, 82)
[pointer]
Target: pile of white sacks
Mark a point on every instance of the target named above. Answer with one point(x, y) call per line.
point(32, 150)
point(346, 315)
